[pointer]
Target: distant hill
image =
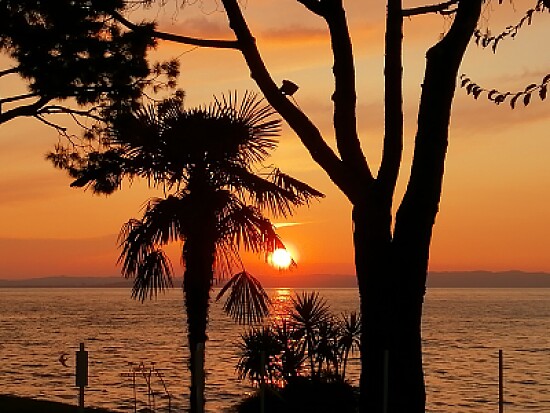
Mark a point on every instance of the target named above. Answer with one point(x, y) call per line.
point(488, 279)
point(466, 279)
point(66, 282)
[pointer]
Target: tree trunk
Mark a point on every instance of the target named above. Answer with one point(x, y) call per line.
point(197, 281)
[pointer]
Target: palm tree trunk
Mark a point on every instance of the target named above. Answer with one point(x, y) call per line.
point(197, 281)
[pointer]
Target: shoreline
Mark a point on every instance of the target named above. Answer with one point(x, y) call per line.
point(18, 404)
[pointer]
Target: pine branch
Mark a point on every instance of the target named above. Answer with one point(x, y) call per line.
point(25, 110)
point(11, 70)
point(18, 97)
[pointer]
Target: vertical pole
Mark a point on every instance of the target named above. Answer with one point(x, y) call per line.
point(81, 399)
point(500, 382)
point(386, 380)
point(262, 382)
point(81, 375)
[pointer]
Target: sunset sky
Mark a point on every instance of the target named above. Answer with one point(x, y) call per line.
point(494, 213)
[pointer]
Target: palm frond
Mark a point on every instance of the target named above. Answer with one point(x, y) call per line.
point(309, 310)
point(255, 118)
point(135, 245)
point(247, 302)
point(257, 351)
point(165, 219)
point(244, 225)
point(227, 259)
point(350, 331)
point(154, 275)
point(302, 191)
point(139, 240)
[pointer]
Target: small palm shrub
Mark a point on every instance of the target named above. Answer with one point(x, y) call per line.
point(310, 341)
point(300, 360)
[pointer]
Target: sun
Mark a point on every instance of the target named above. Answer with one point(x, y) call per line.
point(280, 258)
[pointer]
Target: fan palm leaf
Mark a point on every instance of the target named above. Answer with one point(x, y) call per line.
point(244, 225)
point(247, 301)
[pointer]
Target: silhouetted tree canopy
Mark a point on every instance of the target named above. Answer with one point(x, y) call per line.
point(74, 50)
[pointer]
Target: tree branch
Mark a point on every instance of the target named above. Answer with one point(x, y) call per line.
point(416, 215)
point(26, 110)
point(345, 97)
point(56, 109)
point(307, 132)
point(393, 102)
point(314, 6)
point(219, 44)
point(11, 70)
point(442, 8)
point(18, 97)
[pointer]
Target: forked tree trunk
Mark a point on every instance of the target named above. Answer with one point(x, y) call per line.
point(197, 281)
point(391, 268)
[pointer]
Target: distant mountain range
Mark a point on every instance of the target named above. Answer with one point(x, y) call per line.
point(465, 279)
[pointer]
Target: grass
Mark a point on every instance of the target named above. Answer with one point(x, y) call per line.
point(16, 404)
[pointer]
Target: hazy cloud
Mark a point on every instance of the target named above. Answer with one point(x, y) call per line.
point(200, 26)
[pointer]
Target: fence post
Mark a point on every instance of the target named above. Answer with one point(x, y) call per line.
point(81, 375)
point(500, 382)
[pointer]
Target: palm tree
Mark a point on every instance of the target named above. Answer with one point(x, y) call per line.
point(209, 161)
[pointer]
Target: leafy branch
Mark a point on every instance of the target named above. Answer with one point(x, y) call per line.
point(498, 97)
point(486, 39)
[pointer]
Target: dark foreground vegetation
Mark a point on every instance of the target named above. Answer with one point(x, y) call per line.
point(16, 404)
point(304, 394)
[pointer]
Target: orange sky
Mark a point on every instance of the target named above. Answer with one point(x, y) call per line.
point(496, 197)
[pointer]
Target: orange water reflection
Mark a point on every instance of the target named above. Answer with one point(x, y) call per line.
point(280, 304)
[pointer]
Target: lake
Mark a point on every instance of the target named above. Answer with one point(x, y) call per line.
point(463, 330)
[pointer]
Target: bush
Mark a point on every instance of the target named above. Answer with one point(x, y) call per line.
point(304, 395)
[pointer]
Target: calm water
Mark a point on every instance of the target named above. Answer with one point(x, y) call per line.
point(463, 330)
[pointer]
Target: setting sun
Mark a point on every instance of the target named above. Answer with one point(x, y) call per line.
point(280, 258)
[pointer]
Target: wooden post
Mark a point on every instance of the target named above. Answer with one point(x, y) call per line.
point(386, 380)
point(81, 375)
point(500, 382)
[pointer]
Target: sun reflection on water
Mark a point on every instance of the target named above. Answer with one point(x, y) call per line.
point(280, 304)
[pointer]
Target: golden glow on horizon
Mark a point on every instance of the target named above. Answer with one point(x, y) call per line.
point(494, 208)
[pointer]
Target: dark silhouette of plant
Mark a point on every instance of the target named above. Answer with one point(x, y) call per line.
point(307, 313)
point(206, 158)
point(258, 350)
point(325, 347)
point(247, 302)
point(289, 362)
point(350, 338)
point(310, 335)
point(74, 50)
